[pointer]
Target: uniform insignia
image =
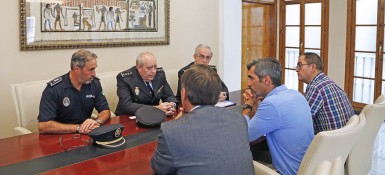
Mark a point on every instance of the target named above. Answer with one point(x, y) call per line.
point(118, 132)
point(125, 74)
point(55, 81)
point(159, 69)
point(136, 90)
point(66, 101)
point(102, 93)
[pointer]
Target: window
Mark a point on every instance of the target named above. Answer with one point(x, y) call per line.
point(303, 28)
point(364, 80)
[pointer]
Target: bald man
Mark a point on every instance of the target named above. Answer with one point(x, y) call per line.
point(144, 84)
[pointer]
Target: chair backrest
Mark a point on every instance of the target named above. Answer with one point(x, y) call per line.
point(109, 85)
point(360, 158)
point(328, 168)
point(328, 145)
point(323, 168)
point(337, 167)
point(26, 98)
point(172, 79)
point(261, 169)
point(380, 99)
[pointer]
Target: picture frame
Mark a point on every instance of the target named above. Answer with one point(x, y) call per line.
point(65, 24)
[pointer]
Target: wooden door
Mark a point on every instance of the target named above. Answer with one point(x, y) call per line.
point(259, 32)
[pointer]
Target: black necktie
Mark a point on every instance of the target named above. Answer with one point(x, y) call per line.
point(150, 88)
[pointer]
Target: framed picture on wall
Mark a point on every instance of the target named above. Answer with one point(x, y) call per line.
point(64, 24)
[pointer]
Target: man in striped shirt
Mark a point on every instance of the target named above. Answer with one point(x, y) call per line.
point(330, 106)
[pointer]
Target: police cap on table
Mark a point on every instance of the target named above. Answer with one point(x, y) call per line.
point(108, 136)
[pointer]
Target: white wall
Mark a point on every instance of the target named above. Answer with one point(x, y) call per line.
point(230, 42)
point(191, 23)
point(337, 41)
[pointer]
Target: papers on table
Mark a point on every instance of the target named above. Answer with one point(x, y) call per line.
point(225, 104)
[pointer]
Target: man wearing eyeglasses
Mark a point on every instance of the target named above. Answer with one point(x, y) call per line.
point(330, 106)
point(202, 55)
point(144, 84)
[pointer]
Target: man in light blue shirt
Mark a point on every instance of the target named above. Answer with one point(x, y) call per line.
point(282, 114)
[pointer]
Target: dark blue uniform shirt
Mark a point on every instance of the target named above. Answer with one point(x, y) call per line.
point(63, 103)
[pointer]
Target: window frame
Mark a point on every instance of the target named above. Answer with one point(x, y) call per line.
point(324, 33)
point(350, 52)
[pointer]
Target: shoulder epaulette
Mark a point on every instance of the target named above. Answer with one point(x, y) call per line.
point(213, 67)
point(125, 74)
point(55, 81)
point(97, 78)
point(159, 69)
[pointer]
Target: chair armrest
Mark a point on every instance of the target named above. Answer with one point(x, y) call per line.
point(21, 131)
point(261, 169)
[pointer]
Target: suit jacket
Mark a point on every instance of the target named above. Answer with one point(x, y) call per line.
point(133, 92)
point(184, 69)
point(208, 140)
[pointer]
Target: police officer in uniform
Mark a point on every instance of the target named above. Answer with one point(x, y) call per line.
point(67, 101)
point(144, 84)
point(202, 55)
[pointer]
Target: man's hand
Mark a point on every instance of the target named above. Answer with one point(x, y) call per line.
point(87, 126)
point(251, 99)
point(222, 96)
point(167, 107)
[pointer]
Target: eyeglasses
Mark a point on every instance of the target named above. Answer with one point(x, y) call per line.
point(202, 57)
point(75, 142)
point(298, 67)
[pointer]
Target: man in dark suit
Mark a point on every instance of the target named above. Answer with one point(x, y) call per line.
point(144, 84)
point(202, 55)
point(206, 139)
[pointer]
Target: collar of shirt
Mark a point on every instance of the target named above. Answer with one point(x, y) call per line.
point(149, 83)
point(276, 90)
point(194, 108)
point(315, 79)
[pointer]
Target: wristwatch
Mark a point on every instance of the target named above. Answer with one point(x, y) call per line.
point(99, 121)
point(77, 129)
point(247, 106)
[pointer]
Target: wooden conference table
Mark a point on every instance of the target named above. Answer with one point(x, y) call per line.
point(42, 153)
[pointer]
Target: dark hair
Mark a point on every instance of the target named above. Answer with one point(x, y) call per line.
point(313, 58)
point(80, 58)
point(267, 66)
point(202, 85)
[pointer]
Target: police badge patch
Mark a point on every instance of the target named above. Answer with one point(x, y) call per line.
point(136, 90)
point(66, 101)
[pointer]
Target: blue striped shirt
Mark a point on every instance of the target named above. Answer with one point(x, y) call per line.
point(330, 106)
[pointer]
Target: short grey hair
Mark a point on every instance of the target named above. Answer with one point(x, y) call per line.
point(139, 58)
point(203, 46)
point(80, 57)
point(267, 66)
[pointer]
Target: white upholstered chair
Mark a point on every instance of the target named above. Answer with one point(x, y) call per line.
point(261, 169)
point(26, 98)
point(330, 168)
point(172, 79)
point(324, 168)
point(109, 85)
point(328, 145)
point(360, 157)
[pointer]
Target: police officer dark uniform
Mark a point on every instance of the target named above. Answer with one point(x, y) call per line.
point(133, 92)
point(63, 103)
point(67, 101)
point(184, 69)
